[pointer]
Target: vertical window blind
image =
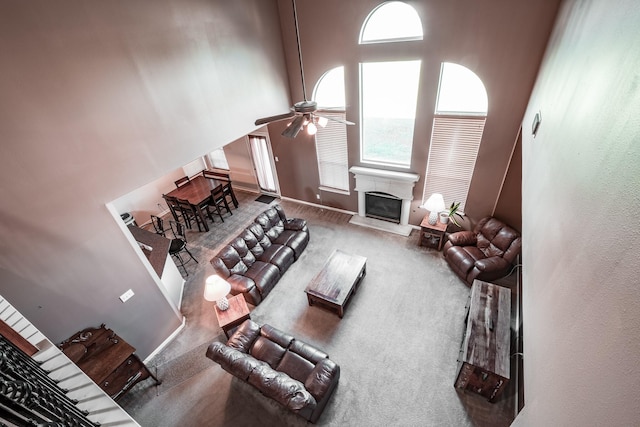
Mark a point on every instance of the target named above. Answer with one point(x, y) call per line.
point(455, 141)
point(331, 150)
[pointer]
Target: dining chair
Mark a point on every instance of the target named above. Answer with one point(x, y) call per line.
point(191, 213)
point(225, 178)
point(179, 244)
point(182, 181)
point(158, 225)
point(174, 208)
point(219, 201)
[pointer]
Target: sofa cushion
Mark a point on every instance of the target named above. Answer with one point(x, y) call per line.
point(296, 240)
point(279, 255)
point(253, 242)
point(295, 366)
point(267, 350)
point(264, 275)
point(240, 245)
point(233, 361)
point(307, 351)
point(271, 223)
point(228, 261)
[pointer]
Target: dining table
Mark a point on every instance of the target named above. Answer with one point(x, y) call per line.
point(198, 192)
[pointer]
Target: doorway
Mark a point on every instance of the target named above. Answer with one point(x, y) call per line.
point(263, 164)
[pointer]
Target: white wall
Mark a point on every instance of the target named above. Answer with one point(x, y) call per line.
point(581, 246)
point(99, 99)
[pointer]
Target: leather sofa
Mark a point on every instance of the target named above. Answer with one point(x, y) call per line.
point(486, 253)
point(283, 368)
point(254, 261)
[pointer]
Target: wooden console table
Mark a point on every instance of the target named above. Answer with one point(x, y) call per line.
point(107, 359)
point(484, 362)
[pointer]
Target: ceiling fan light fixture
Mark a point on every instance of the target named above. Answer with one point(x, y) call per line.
point(311, 129)
point(322, 121)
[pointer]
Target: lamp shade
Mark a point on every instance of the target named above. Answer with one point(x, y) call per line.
point(435, 203)
point(216, 288)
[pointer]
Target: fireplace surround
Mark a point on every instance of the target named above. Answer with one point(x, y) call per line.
point(398, 185)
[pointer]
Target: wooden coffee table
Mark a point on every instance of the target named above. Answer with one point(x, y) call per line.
point(337, 281)
point(237, 313)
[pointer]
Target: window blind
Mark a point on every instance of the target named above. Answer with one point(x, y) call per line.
point(331, 150)
point(452, 157)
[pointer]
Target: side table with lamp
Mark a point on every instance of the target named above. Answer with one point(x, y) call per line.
point(432, 231)
point(229, 312)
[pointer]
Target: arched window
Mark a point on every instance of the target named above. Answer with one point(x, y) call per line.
point(391, 21)
point(331, 139)
point(458, 124)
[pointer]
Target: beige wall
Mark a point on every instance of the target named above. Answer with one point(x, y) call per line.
point(99, 99)
point(501, 41)
point(581, 194)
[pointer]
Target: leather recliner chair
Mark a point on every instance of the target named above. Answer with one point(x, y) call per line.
point(486, 253)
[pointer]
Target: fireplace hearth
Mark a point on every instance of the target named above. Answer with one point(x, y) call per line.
point(383, 206)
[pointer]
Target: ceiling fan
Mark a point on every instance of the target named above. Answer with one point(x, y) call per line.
point(304, 113)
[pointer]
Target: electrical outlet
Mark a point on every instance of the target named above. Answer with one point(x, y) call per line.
point(318, 196)
point(124, 297)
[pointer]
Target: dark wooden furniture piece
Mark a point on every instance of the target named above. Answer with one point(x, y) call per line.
point(179, 245)
point(225, 178)
point(159, 245)
point(198, 193)
point(219, 202)
point(107, 359)
point(182, 181)
point(337, 281)
point(234, 316)
point(432, 236)
point(484, 363)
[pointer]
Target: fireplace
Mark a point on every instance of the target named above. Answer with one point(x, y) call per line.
point(394, 191)
point(383, 206)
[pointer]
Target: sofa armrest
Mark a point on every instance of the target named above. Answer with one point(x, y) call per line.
point(296, 224)
point(231, 360)
point(492, 264)
point(463, 238)
point(282, 388)
point(322, 378)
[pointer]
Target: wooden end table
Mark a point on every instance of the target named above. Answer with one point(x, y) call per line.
point(232, 317)
point(432, 236)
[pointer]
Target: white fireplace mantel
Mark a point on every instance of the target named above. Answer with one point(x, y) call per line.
point(398, 184)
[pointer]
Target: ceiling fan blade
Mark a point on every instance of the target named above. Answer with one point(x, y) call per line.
point(292, 130)
point(346, 122)
point(270, 119)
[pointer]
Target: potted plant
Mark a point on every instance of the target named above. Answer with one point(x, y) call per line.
point(451, 214)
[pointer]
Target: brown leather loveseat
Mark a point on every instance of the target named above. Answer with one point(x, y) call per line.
point(283, 368)
point(486, 253)
point(254, 261)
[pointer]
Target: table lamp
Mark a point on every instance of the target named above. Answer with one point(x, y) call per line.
point(434, 204)
point(216, 289)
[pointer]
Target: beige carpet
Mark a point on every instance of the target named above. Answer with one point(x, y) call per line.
point(396, 345)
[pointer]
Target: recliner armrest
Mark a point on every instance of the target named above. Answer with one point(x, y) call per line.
point(493, 263)
point(282, 388)
point(463, 238)
point(297, 224)
point(321, 379)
